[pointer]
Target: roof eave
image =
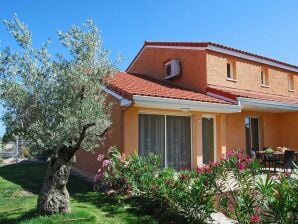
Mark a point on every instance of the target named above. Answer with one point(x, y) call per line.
point(266, 105)
point(184, 105)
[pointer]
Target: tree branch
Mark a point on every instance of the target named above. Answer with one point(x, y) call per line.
point(103, 133)
point(82, 135)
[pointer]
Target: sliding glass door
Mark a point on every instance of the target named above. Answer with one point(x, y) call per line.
point(178, 142)
point(208, 139)
point(152, 135)
point(167, 136)
point(252, 133)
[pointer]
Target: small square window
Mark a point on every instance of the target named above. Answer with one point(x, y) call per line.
point(264, 77)
point(231, 74)
point(290, 82)
point(229, 71)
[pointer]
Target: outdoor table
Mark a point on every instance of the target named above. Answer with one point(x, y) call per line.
point(276, 156)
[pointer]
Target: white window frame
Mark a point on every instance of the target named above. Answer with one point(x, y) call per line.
point(259, 130)
point(231, 71)
point(191, 131)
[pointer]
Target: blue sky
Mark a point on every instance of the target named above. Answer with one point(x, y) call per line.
point(267, 27)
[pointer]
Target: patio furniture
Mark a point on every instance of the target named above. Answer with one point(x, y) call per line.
point(264, 158)
point(253, 153)
point(287, 161)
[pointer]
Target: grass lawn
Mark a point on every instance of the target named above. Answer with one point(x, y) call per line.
point(20, 184)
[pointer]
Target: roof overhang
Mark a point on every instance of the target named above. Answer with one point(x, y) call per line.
point(251, 58)
point(266, 105)
point(223, 50)
point(184, 105)
point(123, 101)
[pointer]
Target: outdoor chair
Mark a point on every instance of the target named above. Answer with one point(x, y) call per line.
point(260, 158)
point(288, 160)
point(253, 154)
point(268, 159)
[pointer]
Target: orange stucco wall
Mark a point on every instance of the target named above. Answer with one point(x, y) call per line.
point(131, 131)
point(86, 162)
point(289, 130)
point(277, 129)
point(193, 63)
point(248, 75)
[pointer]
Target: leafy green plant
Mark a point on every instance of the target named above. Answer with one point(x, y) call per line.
point(233, 178)
point(25, 152)
point(182, 192)
point(278, 199)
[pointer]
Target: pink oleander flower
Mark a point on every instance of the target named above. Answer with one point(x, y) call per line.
point(241, 165)
point(98, 176)
point(229, 153)
point(255, 219)
point(106, 163)
point(240, 155)
point(204, 169)
point(100, 157)
point(247, 159)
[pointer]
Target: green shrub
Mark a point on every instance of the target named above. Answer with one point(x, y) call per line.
point(181, 192)
point(234, 178)
point(278, 199)
point(26, 153)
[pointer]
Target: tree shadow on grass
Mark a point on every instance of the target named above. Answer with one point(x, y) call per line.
point(144, 211)
point(5, 216)
point(133, 210)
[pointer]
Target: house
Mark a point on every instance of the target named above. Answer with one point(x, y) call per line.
point(190, 102)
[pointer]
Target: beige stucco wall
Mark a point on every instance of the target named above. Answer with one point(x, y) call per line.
point(248, 75)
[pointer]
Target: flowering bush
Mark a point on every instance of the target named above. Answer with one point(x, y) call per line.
point(232, 178)
point(121, 174)
point(247, 196)
point(182, 192)
point(243, 195)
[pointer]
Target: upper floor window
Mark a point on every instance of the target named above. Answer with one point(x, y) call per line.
point(291, 82)
point(231, 73)
point(264, 78)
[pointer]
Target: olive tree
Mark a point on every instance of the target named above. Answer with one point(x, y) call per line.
point(55, 102)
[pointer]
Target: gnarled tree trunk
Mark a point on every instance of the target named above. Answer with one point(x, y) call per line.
point(54, 197)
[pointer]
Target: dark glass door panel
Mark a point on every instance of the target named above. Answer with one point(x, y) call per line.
point(208, 139)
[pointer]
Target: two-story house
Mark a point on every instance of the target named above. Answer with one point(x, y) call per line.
point(190, 102)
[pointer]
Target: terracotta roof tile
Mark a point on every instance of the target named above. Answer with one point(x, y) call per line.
point(127, 85)
point(234, 93)
point(206, 44)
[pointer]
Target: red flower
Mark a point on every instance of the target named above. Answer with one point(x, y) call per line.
point(287, 174)
point(204, 169)
point(241, 165)
point(255, 219)
point(239, 155)
point(184, 176)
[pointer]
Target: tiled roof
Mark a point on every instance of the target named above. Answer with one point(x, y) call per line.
point(128, 85)
point(206, 44)
point(234, 93)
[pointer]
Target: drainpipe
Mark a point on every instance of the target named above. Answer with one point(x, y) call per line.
point(123, 109)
